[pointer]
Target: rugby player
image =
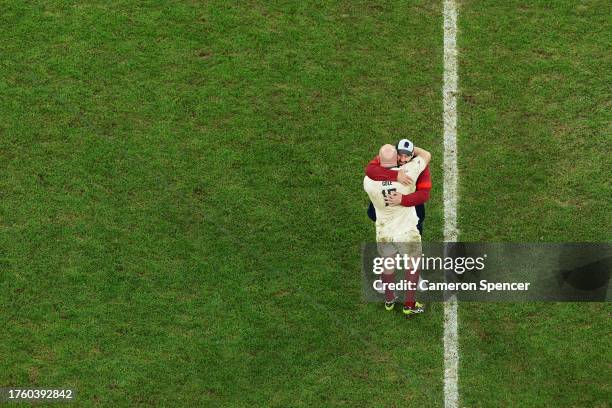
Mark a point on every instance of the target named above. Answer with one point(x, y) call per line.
point(375, 171)
point(396, 226)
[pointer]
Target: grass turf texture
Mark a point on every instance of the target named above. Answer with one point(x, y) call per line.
point(181, 206)
point(181, 209)
point(534, 137)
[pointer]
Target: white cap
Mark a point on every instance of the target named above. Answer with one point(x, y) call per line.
point(405, 146)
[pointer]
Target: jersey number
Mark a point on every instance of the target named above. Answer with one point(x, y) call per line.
point(386, 192)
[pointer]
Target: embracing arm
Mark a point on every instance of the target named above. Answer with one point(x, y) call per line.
point(376, 172)
point(420, 196)
point(424, 154)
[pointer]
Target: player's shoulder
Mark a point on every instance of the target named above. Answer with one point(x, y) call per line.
point(416, 161)
point(367, 181)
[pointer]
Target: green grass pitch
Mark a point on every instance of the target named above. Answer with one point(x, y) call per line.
point(181, 209)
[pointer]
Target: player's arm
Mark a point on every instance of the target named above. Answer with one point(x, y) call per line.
point(378, 173)
point(420, 196)
point(422, 153)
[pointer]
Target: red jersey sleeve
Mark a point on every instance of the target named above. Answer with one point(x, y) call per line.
point(421, 195)
point(377, 173)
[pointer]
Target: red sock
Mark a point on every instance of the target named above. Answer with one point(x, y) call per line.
point(388, 278)
point(410, 294)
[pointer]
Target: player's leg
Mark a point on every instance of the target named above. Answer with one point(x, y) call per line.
point(414, 251)
point(411, 306)
point(420, 211)
point(388, 250)
point(388, 277)
point(412, 277)
point(372, 212)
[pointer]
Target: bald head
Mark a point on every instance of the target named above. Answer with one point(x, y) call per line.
point(388, 156)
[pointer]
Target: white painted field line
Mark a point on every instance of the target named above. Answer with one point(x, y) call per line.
point(451, 343)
